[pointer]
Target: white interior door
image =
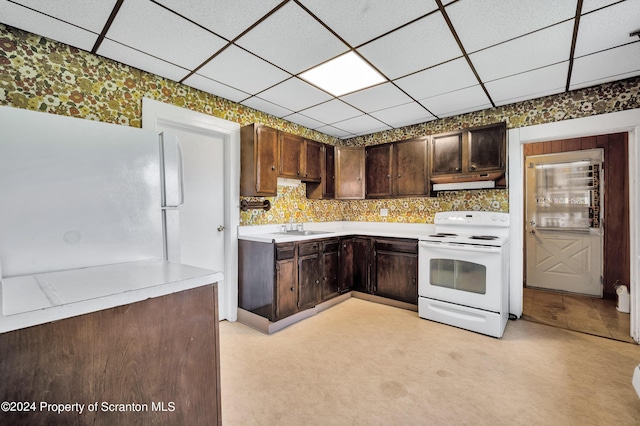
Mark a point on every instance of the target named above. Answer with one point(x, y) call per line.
point(563, 236)
point(209, 217)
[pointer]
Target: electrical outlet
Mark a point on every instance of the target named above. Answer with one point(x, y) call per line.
point(384, 212)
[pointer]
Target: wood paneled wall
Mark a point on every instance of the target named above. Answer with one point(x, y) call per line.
point(616, 199)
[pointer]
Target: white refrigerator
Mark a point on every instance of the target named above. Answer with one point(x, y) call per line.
point(78, 194)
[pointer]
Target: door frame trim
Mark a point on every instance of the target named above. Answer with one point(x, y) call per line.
point(156, 112)
point(617, 122)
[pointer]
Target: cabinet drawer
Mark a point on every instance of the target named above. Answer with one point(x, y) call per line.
point(305, 249)
point(400, 245)
point(330, 246)
point(285, 251)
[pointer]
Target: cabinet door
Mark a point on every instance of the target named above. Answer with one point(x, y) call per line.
point(411, 168)
point(286, 288)
point(290, 155)
point(395, 276)
point(354, 262)
point(378, 170)
point(330, 268)
point(258, 160)
point(329, 178)
point(487, 148)
point(349, 173)
point(446, 154)
point(313, 164)
point(308, 274)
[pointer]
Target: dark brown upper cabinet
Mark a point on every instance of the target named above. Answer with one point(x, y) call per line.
point(349, 173)
point(476, 154)
point(291, 158)
point(487, 148)
point(258, 161)
point(325, 189)
point(378, 168)
point(397, 169)
point(312, 164)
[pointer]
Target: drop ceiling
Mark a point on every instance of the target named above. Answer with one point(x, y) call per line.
point(439, 58)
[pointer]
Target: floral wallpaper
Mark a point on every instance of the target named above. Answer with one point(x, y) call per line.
point(292, 204)
point(40, 74)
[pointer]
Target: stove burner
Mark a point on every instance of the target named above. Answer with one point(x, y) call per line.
point(483, 237)
point(443, 234)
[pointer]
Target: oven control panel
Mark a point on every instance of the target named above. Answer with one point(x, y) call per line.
point(474, 218)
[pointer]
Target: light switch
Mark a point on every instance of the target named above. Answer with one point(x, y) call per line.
point(384, 212)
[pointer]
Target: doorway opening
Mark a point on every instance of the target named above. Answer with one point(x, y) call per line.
point(561, 306)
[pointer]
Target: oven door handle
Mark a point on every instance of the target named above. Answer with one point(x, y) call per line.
point(460, 247)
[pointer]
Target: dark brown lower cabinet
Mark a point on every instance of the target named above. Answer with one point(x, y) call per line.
point(395, 269)
point(278, 280)
point(309, 274)
point(355, 263)
point(330, 269)
point(286, 285)
point(160, 356)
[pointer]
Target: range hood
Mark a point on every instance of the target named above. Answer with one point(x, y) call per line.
point(468, 181)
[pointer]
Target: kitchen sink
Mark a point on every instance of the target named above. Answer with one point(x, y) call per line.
point(294, 233)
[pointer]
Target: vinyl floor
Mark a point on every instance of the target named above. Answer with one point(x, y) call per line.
point(363, 363)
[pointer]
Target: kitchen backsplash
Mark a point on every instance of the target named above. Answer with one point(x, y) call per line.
point(292, 203)
point(41, 74)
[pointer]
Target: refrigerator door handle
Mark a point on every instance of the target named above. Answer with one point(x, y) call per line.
point(180, 173)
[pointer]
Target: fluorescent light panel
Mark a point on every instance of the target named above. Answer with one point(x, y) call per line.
point(342, 75)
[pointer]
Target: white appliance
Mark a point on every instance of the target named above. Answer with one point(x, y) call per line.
point(463, 271)
point(79, 193)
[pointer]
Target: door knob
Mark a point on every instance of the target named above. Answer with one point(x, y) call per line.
point(532, 223)
point(220, 228)
point(532, 232)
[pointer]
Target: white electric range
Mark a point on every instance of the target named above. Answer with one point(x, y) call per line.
point(463, 271)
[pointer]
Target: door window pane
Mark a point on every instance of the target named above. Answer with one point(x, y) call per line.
point(458, 275)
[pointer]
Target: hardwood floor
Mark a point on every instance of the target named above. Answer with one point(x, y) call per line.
point(577, 313)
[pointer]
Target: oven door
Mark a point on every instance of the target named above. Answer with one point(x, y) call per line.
point(463, 274)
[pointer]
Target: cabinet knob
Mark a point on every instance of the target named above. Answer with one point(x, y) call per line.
point(473, 167)
point(317, 281)
point(291, 288)
point(298, 172)
point(388, 176)
point(273, 167)
point(399, 175)
point(457, 169)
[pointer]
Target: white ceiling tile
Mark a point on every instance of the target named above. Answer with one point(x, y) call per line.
point(242, 70)
point(378, 97)
point(88, 14)
point(126, 55)
point(331, 112)
point(150, 28)
point(295, 94)
point(536, 50)
point(591, 5)
point(458, 102)
point(483, 23)
point(266, 106)
point(362, 124)
point(335, 132)
point(610, 65)
point(37, 23)
point(450, 76)
point(292, 40)
point(358, 21)
point(215, 88)
point(533, 84)
point(607, 28)
point(225, 18)
point(403, 115)
point(417, 46)
point(304, 121)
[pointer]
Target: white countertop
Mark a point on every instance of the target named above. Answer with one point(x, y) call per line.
point(269, 233)
point(36, 299)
